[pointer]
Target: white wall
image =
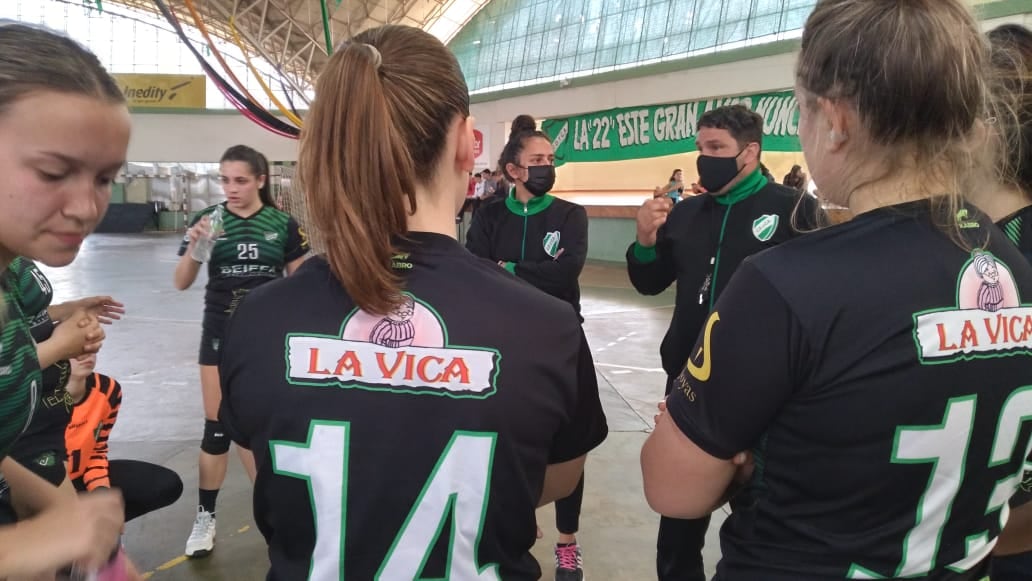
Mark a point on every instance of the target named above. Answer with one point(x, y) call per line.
point(202, 137)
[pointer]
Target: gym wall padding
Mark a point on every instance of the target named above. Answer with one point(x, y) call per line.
point(127, 219)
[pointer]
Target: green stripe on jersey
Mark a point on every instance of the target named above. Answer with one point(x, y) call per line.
point(33, 290)
point(249, 248)
point(1013, 229)
point(19, 373)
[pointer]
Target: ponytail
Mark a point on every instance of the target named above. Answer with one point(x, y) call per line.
point(356, 174)
point(385, 103)
point(265, 192)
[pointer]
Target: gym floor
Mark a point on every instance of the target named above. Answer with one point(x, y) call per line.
point(153, 352)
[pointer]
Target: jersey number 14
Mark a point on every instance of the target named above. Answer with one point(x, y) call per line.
point(456, 489)
point(945, 447)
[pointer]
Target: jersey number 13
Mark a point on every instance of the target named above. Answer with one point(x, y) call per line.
point(456, 489)
point(945, 447)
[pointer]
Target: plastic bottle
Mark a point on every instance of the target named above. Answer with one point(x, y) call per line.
point(205, 244)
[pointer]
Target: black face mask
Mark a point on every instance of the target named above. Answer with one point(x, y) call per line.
point(716, 172)
point(540, 179)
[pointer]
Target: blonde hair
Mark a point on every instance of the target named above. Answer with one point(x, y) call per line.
point(383, 108)
point(914, 71)
point(1011, 56)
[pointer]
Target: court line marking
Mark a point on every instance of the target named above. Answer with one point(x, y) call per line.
point(183, 558)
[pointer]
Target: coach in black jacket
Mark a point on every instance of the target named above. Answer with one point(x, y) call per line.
point(699, 243)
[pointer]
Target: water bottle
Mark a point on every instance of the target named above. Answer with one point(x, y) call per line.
point(205, 244)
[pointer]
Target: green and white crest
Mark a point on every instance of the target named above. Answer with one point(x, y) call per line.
point(551, 243)
point(764, 227)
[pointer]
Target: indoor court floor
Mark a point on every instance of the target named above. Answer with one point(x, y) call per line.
point(152, 352)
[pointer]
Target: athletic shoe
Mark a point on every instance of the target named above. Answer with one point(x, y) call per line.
point(202, 538)
point(568, 563)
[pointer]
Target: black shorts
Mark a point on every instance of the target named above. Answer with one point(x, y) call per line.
point(212, 331)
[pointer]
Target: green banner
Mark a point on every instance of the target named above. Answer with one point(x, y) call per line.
point(657, 130)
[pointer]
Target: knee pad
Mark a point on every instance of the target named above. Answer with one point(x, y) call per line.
point(215, 441)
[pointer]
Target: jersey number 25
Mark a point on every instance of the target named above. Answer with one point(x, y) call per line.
point(247, 251)
point(457, 489)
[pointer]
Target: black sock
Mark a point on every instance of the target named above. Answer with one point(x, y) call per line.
point(207, 498)
point(565, 544)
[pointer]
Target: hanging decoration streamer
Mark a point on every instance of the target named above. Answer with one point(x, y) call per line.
point(258, 76)
point(247, 107)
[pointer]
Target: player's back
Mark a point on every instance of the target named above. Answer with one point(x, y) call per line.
point(411, 445)
point(904, 437)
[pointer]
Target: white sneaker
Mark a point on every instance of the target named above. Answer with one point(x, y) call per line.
point(202, 538)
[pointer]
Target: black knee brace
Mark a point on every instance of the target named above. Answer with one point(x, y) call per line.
point(215, 441)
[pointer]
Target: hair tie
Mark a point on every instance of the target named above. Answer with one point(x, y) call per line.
point(377, 57)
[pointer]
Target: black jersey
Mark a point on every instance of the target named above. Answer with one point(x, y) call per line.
point(41, 447)
point(702, 243)
point(544, 242)
point(251, 251)
point(883, 391)
point(412, 445)
point(19, 370)
point(1018, 228)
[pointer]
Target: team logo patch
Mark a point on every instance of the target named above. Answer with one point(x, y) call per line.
point(46, 460)
point(551, 243)
point(763, 228)
point(988, 321)
point(271, 236)
point(406, 351)
point(215, 343)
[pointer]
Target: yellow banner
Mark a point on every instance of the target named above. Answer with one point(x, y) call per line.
point(163, 91)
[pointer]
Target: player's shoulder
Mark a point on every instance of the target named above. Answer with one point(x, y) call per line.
point(782, 196)
point(689, 207)
point(566, 206)
point(18, 267)
point(313, 275)
point(493, 285)
point(274, 212)
point(493, 210)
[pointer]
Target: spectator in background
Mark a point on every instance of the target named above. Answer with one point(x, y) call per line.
point(471, 195)
point(502, 186)
point(489, 185)
point(766, 173)
point(673, 189)
point(796, 179)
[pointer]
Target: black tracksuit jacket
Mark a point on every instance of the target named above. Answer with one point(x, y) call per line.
point(700, 246)
point(544, 242)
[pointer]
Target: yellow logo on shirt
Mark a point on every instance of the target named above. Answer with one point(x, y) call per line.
point(702, 372)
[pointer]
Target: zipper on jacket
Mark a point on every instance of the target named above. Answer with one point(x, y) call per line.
point(523, 243)
point(715, 261)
